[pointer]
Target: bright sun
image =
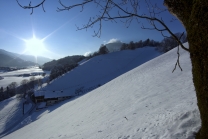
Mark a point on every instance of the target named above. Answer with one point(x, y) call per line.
point(35, 46)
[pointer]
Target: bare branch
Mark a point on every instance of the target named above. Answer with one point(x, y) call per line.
point(123, 13)
point(152, 19)
point(32, 7)
point(70, 7)
point(164, 35)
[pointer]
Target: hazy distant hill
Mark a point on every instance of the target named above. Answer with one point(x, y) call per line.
point(63, 61)
point(116, 46)
point(8, 61)
point(40, 60)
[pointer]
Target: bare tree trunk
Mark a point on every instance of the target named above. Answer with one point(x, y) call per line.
point(194, 16)
point(198, 39)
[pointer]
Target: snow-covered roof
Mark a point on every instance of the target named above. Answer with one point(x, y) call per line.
point(52, 94)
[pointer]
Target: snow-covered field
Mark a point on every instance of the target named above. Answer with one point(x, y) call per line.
point(14, 76)
point(148, 102)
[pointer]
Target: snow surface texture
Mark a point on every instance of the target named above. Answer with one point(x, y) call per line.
point(148, 102)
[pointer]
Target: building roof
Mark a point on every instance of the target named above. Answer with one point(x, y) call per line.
point(52, 94)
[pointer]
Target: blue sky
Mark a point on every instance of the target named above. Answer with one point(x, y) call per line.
point(62, 37)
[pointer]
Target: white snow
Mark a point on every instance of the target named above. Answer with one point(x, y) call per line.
point(23, 71)
point(148, 102)
point(10, 112)
point(15, 76)
point(100, 70)
point(7, 80)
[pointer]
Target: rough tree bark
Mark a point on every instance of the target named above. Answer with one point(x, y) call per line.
point(194, 16)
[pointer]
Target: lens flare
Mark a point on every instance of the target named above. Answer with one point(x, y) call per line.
point(35, 46)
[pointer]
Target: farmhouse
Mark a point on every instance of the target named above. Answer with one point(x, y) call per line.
point(46, 98)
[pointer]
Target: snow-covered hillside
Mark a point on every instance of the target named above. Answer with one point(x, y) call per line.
point(148, 102)
point(101, 69)
point(10, 112)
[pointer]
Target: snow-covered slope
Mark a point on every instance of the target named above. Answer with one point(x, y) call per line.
point(148, 102)
point(101, 69)
point(10, 112)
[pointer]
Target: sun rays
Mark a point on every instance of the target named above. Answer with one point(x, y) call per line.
point(35, 46)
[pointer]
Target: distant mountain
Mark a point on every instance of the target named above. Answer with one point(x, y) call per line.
point(40, 60)
point(70, 60)
point(114, 46)
point(9, 61)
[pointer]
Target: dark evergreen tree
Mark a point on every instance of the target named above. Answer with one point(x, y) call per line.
point(131, 45)
point(169, 43)
point(12, 89)
point(146, 42)
point(1, 90)
point(140, 44)
point(124, 46)
point(95, 54)
point(24, 86)
point(32, 82)
point(1, 94)
point(103, 50)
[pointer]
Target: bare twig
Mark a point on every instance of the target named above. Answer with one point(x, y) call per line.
point(70, 7)
point(178, 59)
